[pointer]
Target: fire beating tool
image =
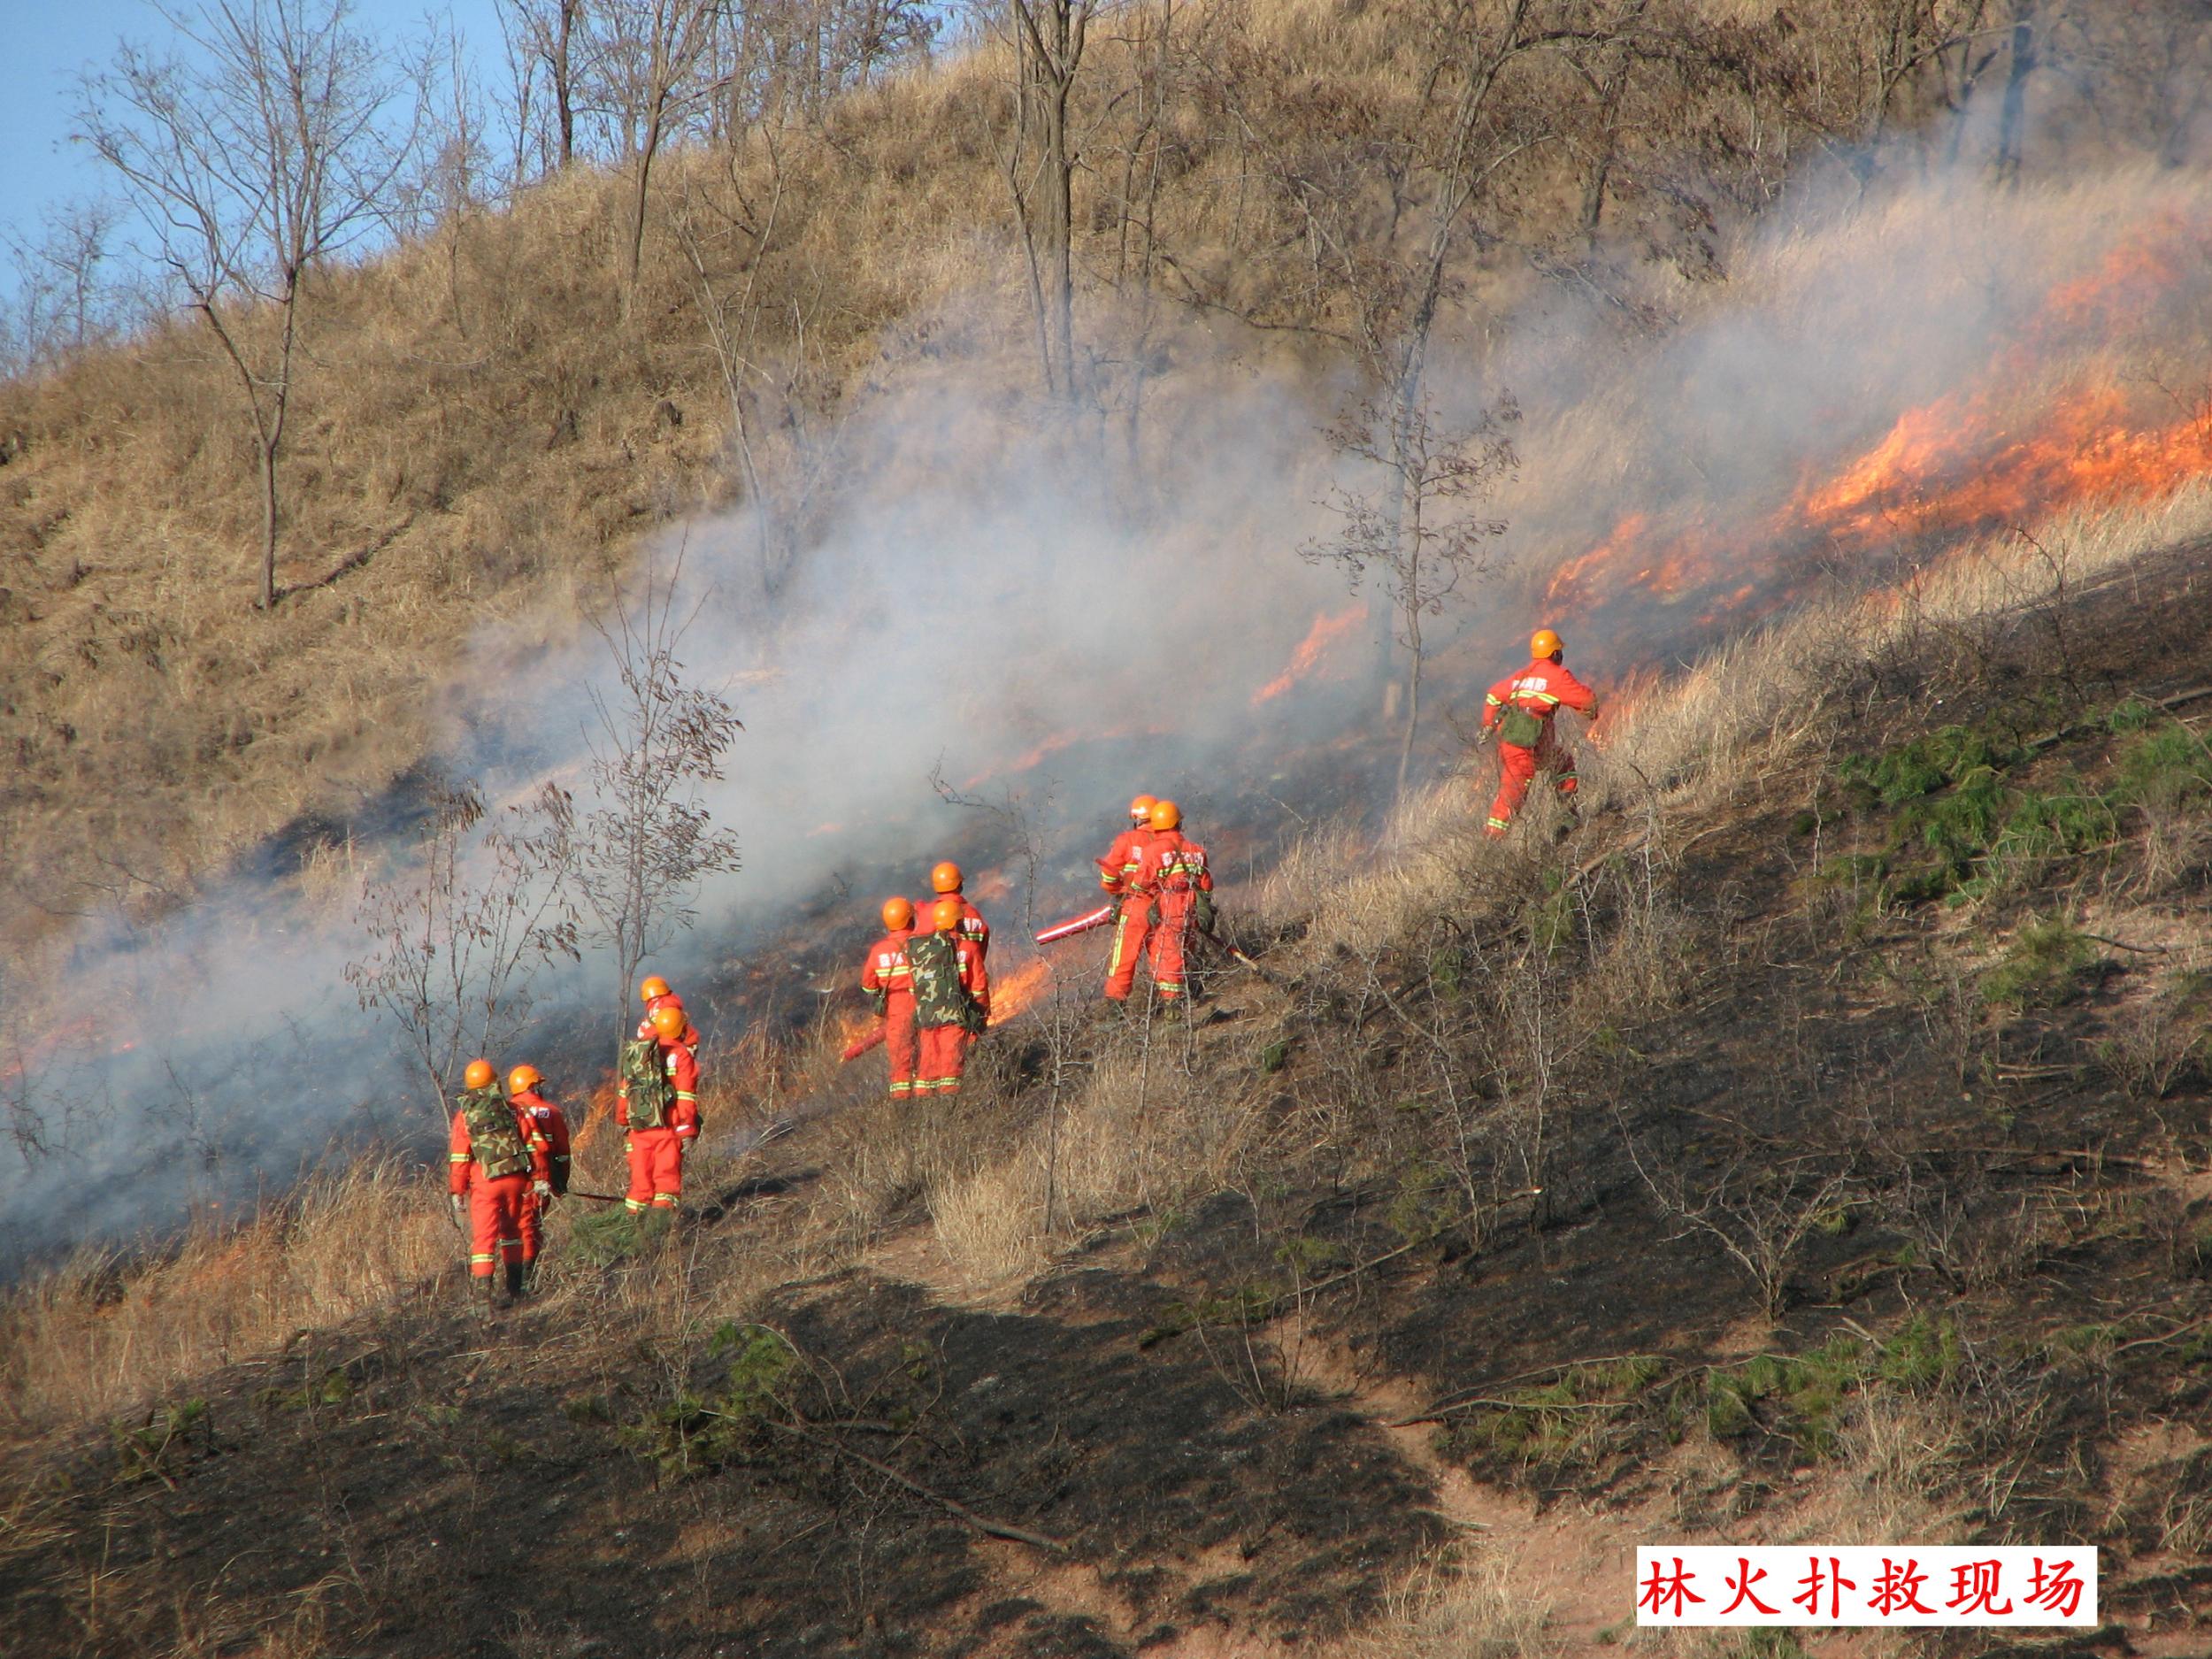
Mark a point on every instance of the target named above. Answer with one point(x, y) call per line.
point(1082, 923)
point(1217, 940)
point(861, 1044)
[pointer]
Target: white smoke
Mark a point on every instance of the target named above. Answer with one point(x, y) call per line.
point(1037, 605)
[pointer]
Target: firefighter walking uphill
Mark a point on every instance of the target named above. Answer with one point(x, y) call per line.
point(492, 1169)
point(952, 998)
point(657, 1101)
point(1520, 709)
point(888, 980)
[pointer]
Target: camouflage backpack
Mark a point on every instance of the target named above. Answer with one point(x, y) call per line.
point(494, 1137)
point(939, 999)
point(1519, 727)
point(646, 1085)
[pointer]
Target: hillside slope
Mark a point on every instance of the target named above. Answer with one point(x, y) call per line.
point(1863, 1067)
point(491, 417)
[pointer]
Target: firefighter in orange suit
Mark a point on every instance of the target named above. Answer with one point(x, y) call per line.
point(1121, 874)
point(1175, 873)
point(952, 997)
point(654, 994)
point(889, 984)
point(657, 1100)
point(1519, 709)
point(491, 1169)
point(945, 881)
point(548, 1128)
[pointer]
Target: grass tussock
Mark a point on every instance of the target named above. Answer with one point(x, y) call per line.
point(100, 1336)
point(1460, 1604)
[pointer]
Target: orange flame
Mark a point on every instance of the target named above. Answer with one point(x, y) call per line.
point(1012, 993)
point(2000, 451)
point(1945, 468)
point(1327, 630)
point(597, 1114)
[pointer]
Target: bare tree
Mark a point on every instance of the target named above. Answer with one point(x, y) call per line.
point(542, 38)
point(62, 300)
point(651, 63)
point(1048, 37)
point(645, 842)
point(454, 941)
point(775, 384)
point(1416, 536)
point(264, 149)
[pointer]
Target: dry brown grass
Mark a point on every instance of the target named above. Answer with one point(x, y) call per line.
point(491, 415)
point(1458, 1604)
point(98, 1337)
point(1686, 748)
point(1148, 1125)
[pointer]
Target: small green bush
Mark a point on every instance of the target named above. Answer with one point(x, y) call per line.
point(2044, 967)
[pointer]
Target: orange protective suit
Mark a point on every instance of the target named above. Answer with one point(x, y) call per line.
point(944, 1047)
point(548, 1128)
point(889, 984)
point(494, 1201)
point(1538, 691)
point(1175, 870)
point(657, 1155)
point(1122, 873)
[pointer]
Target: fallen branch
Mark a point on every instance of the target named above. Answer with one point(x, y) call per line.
point(1426, 1237)
point(1439, 1413)
point(953, 1506)
point(2141, 950)
point(2153, 1342)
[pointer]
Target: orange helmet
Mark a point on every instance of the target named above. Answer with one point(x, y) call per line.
point(947, 915)
point(669, 1022)
point(1165, 815)
point(1140, 809)
point(946, 876)
point(654, 986)
point(897, 913)
point(1544, 643)
point(523, 1077)
point(479, 1075)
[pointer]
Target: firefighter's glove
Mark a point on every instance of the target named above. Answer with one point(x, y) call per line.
point(459, 1205)
point(544, 1192)
point(1202, 912)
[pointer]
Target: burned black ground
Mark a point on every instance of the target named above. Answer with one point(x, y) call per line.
point(1975, 1187)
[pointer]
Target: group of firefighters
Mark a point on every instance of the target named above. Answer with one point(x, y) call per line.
point(928, 978)
point(507, 1155)
point(928, 982)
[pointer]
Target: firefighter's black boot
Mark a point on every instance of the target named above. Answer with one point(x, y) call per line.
point(518, 1281)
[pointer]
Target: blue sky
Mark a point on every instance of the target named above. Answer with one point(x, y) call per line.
point(49, 43)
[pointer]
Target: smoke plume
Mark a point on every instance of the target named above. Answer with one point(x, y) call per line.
point(1051, 614)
